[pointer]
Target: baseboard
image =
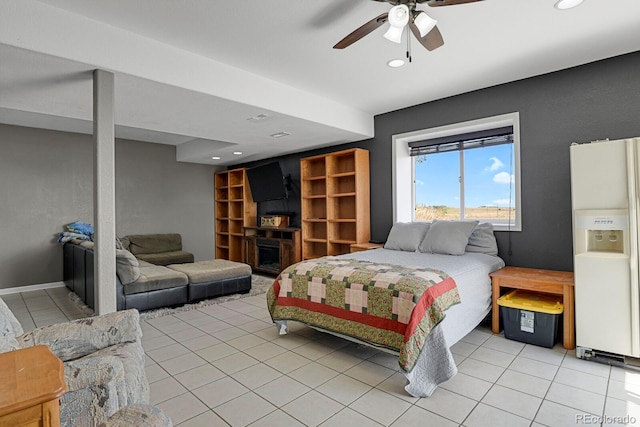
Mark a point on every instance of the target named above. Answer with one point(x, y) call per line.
point(28, 288)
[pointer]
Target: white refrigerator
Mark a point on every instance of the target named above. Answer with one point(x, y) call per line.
point(604, 194)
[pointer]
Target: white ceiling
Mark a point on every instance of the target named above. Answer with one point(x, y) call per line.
point(191, 72)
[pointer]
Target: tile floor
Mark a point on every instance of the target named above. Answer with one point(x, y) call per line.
point(225, 365)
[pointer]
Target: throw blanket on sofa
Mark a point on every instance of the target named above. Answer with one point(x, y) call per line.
point(386, 305)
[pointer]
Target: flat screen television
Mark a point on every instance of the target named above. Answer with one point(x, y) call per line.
point(267, 182)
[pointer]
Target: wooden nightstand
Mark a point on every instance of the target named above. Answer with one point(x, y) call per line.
point(543, 281)
point(32, 382)
point(357, 247)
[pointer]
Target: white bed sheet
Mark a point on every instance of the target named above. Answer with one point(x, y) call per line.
point(470, 272)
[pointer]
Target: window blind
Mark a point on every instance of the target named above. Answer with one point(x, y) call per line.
point(463, 141)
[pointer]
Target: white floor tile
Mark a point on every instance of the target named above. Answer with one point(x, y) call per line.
point(313, 374)
point(500, 343)
point(218, 392)
point(535, 368)
point(245, 409)
point(287, 362)
point(542, 354)
point(447, 404)
point(380, 406)
point(471, 387)
point(349, 417)
point(312, 408)
point(479, 369)
point(197, 377)
point(234, 363)
point(553, 414)
point(488, 416)
point(525, 383)
point(416, 416)
point(343, 389)
point(155, 373)
point(216, 351)
point(589, 382)
point(512, 401)
point(265, 351)
point(256, 376)
point(282, 391)
point(206, 419)
point(576, 398)
point(183, 407)
point(275, 418)
point(165, 389)
point(494, 357)
point(369, 373)
point(594, 368)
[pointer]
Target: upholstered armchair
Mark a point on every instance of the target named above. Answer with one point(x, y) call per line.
point(103, 362)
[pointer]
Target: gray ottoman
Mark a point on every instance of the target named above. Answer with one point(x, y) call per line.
point(214, 278)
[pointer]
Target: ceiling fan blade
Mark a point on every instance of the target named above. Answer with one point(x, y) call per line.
point(431, 41)
point(433, 3)
point(359, 33)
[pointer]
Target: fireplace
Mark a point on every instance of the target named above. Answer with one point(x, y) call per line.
point(268, 255)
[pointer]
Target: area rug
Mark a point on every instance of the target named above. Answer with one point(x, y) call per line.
point(259, 286)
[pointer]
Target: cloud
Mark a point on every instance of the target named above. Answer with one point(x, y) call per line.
point(419, 182)
point(502, 202)
point(503, 178)
point(495, 164)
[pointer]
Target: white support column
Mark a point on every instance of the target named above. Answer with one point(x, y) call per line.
point(104, 205)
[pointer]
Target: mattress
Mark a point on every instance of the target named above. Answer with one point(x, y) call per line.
point(470, 272)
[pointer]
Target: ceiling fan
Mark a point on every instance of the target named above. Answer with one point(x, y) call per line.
point(402, 13)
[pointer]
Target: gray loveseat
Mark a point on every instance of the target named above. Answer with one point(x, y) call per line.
point(158, 249)
point(145, 286)
point(103, 362)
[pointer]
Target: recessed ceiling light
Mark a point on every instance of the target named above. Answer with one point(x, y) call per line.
point(258, 117)
point(237, 153)
point(215, 158)
point(395, 63)
point(567, 4)
point(279, 134)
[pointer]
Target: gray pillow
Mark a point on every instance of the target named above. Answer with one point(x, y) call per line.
point(447, 237)
point(483, 240)
point(127, 266)
point(406, 236)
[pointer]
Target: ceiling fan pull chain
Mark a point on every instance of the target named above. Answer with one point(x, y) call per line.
point(408, 45)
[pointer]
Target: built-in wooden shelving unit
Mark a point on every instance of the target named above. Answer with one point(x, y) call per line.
point(235, 209)
point(335, 202)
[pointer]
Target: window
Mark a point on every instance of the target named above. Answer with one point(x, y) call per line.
point(463, 171)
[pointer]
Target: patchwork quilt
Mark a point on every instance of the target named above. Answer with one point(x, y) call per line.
point(383, 304)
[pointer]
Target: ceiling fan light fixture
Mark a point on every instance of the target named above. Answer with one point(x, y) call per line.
point(567, 4)
point(395, 63)
point(398, 18)
point(425, 23)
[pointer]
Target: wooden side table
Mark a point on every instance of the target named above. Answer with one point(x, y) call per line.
point(543, 281)
point(357, 247)
point(32, 381)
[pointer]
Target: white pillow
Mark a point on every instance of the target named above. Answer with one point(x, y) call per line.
point(447, 237)
point(483, 240)
point(406, 236)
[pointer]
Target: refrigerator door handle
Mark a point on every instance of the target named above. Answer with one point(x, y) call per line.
point(632, 188)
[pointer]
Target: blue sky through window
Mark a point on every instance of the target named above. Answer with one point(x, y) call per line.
point(488, 173)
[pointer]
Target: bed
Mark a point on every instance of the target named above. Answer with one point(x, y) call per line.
point(451, 296)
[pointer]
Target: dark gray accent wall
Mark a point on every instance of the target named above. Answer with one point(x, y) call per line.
point(46, 182)
point(593, 101)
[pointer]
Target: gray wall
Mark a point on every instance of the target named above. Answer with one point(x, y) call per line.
point(593, 101)
point(46, 182)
